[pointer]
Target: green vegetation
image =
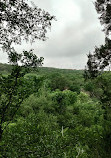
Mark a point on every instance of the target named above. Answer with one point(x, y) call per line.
point(47, 112)
point(62, 116)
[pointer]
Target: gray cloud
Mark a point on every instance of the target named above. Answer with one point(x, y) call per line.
point(70, 38)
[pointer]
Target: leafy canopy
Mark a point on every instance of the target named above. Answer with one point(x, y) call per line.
point(19, 20)
point(100, 59)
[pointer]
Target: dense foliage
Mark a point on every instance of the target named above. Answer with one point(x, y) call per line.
point(51, 113)
point(21, 21)
point(97, 73)
point(18, 21)
point(100, 59)
point(60, 122)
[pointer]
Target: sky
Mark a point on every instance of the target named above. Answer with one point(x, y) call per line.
point(75, 33)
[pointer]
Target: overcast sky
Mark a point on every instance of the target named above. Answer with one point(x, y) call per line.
point(75, 33)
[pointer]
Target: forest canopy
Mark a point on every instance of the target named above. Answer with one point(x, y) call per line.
point(49, 112)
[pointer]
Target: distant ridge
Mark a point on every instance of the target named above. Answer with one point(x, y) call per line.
point(6, 68)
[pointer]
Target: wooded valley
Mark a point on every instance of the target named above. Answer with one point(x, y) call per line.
point(48, 112)
point(62, 116)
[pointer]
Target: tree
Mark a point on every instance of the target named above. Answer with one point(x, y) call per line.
point(99, 61)
point(13, 88)
point(18, 21)
point(58, 81)
point(101, 57)
point(103, 7)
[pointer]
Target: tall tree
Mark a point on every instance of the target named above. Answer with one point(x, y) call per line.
point(100, 59)
point(18, 21)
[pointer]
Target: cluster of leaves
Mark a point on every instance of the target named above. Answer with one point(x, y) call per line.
point(103, 7)
point(25, 59)
point(100, 59)
point(19, 21)
point(98, 63)
point(100, 89)
point(58, 124)
point(64, 81)
point(13, 88)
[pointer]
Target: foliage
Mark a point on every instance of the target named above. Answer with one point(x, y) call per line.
point(19, 20)
point(38, 132)
point(57, 81)
point(13, 88)
point(100, 88)
point(59, 123)
point(103, 7)
point(51, 113)
point(100, 59)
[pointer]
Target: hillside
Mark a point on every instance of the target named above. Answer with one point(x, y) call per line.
point(60, 115)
